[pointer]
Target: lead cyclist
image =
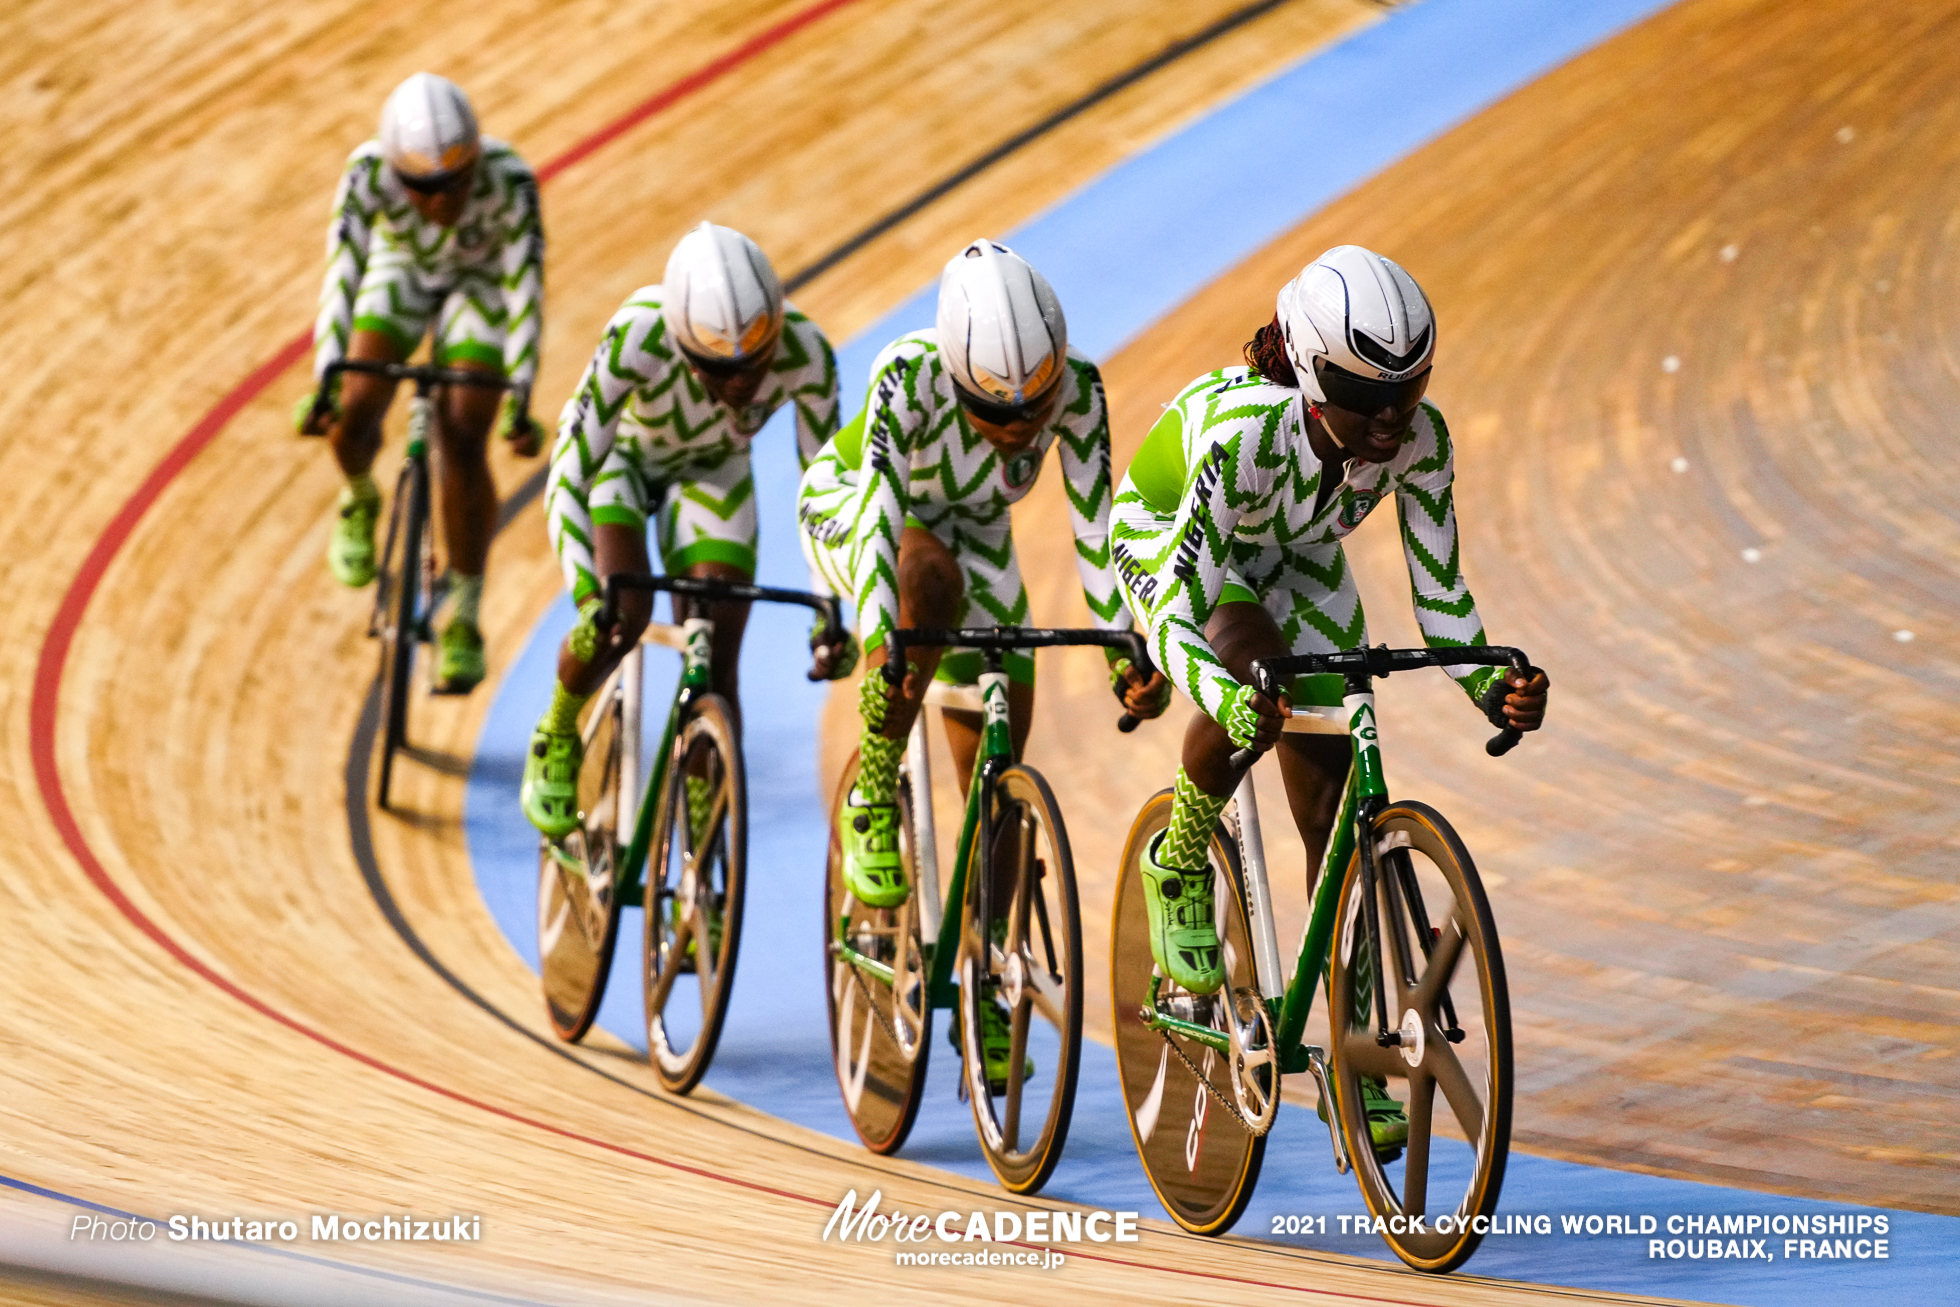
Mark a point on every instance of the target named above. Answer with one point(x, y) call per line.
point(1227, 534)
point(434, 229)
point(907, 511)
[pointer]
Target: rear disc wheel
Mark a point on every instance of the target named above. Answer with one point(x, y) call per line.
point(578, 907)
point(880, 1020)
point(1200, 1158)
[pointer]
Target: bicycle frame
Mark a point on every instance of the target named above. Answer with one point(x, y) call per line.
point(941, 942)
point(694, 638)
point(1366, 794)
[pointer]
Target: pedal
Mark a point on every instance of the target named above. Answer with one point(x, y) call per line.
point(1317, 1067)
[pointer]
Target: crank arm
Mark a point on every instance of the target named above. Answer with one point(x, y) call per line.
point(1317, 1067)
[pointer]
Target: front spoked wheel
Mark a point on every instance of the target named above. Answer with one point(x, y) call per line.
point(695, 877)
point(578, 908)
point(398, 613)
point(1025, 964)
point(1201, 1140)
point(1427, 929)
point(880, 1021)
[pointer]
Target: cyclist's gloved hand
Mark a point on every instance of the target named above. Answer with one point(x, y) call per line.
point(1516, 699)
point(309, 422)
point(517, 426)
point(831, 662)
point(1145, 699)
point(1251, 719)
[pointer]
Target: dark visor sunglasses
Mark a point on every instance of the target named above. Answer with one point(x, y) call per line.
point(995, 413)
point(1364, 395)
point(436, 183)
point(716, 367)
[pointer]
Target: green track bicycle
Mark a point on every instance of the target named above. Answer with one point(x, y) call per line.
point(1398, 899)
point(680, 852)
point(408, 585)
point(1012, 938)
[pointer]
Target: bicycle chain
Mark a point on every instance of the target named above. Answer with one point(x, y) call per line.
point(871, 1002)
point(1210, 1088)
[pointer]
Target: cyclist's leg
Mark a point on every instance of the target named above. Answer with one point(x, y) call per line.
point(470, 338)
point(707, 528)
point(992, 594)
point(929, 594)
point(364, 401)
point(390, 314)
point(587, 551)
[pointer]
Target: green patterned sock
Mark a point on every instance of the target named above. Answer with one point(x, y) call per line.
point(561, 718)
point(466, 597)
point(877, 756)
point(361, 489)
point(584, 639)
point(1193, 814)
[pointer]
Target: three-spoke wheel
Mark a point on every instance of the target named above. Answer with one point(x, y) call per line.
point(578, 910)
point(1021, 954)
point(1428, 929)
point(880, 1019)
point(1201, 1140)
point(694, 885)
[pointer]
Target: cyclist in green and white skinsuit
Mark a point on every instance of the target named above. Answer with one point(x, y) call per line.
point(434, 228)
point(907, 511)
point(1227, 533)
point(687, 374)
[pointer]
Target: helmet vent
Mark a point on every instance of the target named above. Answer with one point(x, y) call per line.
point(1379, 354)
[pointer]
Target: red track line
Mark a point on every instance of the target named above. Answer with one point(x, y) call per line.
point(74, 603)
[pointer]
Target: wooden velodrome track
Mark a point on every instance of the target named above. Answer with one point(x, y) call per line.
point(1726, 894)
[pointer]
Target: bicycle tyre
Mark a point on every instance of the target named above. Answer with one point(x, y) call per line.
point(1423, 852)
point(880, 1031)
point(682, 905)
point(1037, 967)
point(578, 899)
point(1202, 1163)
point(402, 573)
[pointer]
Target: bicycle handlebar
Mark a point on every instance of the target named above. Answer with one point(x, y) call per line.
point(1269, 676)
point(704, 588)
point(426, 376)
point(1014, 637)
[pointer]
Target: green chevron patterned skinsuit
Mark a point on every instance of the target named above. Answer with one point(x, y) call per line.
point(913, 458)
point(1227, 501)
point(642, 436)
point(391, 270)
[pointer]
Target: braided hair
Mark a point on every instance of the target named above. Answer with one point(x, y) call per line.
point(1266, 355)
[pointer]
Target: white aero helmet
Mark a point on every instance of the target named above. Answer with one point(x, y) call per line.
point(1359, 331)
point(1002, 336)
point(723, 304)
point(428, 133)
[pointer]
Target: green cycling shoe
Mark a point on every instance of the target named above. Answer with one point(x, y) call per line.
point(459, 658)
point(550, 790)
point(1183, 923)
point(1388, 1124)
point(350, 552)
point(996, 1046)
point(874, 871)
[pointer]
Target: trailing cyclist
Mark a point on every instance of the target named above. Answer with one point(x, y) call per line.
point(907, 511)
point(1228, 536)
point(686, 375)
point(434, 228)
